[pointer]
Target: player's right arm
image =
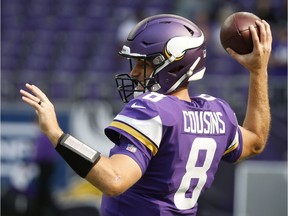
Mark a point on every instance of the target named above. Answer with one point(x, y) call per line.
point(256, 125)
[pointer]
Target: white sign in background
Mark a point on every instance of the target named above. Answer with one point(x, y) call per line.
point(18, 167)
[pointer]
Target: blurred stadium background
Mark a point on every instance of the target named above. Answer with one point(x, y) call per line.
point(69, 49)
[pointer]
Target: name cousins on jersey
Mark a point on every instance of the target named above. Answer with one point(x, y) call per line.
point(203, 122)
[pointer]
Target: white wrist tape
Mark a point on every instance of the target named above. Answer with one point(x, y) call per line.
point(80, 148)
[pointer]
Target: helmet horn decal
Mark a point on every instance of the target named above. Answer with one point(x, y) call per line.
point(177, 46)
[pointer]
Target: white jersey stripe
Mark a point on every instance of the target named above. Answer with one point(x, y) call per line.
point(152, 128)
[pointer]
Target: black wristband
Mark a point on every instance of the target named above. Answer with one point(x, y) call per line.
point(80, 157)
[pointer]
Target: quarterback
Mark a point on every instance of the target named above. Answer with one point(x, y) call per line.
point(168, 143)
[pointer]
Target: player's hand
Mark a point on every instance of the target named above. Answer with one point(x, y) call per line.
point(45, 111)
point(257, 61)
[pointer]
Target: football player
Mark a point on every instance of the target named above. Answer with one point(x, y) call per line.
point(168, 143)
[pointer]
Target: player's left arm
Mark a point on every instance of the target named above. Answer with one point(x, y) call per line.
point(256, 125)
point(114, 175)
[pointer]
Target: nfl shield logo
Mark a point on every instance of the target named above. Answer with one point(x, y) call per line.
point(131, 148)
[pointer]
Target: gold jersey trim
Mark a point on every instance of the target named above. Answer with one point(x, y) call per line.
point(232, 148)
point(136, 134)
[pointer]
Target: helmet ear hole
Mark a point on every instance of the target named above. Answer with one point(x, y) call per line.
point(175, 70)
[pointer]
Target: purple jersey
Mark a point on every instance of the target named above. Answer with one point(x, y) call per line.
point(178, 146)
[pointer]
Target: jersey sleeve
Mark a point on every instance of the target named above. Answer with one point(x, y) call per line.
point(234, 150)
point(139, 155)
point(140, 123)
point(234, 145)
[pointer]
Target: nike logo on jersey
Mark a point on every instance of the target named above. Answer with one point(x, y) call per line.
point(134, 105)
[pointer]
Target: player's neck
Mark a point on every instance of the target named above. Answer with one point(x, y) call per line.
point(182, 94)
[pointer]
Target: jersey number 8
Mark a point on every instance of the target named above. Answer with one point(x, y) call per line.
point(194, 172)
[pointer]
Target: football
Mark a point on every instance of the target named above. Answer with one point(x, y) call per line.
point(235, 32)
